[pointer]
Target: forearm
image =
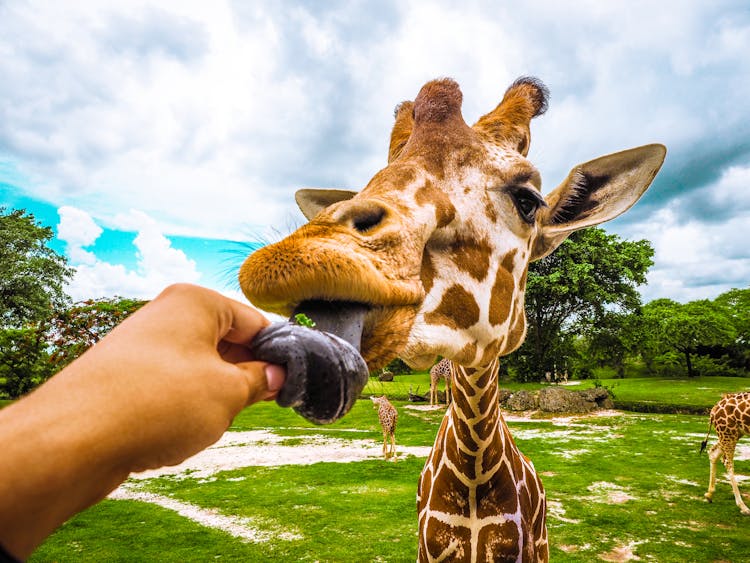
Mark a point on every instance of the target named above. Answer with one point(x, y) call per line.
point(54, 463)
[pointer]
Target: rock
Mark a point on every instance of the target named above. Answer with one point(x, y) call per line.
point(522, 401)
point(503, 395)
point(559, 399)
point(385, 376)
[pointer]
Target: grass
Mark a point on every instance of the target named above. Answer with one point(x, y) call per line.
point(696, 394)
point(632, 481)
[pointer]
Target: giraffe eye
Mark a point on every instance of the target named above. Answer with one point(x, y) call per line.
point(527, 202)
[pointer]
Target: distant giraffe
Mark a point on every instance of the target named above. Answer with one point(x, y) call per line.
point(388, 416)
point(441, 370)
point(731, 419)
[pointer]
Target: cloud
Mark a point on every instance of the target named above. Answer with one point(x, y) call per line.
point(78, 230)
point(158, 263)
point(208, 116)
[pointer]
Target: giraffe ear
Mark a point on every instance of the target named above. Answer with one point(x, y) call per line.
point(595, 192)
point(313, 201)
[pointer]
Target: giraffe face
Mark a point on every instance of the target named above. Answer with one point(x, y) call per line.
point(438, 243)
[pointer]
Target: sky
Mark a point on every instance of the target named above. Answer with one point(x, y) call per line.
point(162, 141)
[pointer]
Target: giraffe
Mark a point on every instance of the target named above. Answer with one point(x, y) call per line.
point(436, 246)
point(443, 369)
point(731, 418)
point(388, 417)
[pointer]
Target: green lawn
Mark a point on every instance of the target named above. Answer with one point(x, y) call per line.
point(697, 392)
point(631, 482)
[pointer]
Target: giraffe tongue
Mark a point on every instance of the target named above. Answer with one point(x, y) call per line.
point(344, 319)
point(325, 371)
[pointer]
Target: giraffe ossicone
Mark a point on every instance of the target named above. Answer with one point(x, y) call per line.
point(437, 247)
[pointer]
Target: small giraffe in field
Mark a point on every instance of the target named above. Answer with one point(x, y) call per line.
point(435, 249)
point(441, 370)
point(731, 419)
point(388, 416)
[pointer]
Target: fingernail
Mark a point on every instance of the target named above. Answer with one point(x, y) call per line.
point(275, 376)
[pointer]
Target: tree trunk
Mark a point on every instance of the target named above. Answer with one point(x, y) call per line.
point(689, 363)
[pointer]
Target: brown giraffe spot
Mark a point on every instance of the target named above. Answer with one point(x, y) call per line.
point(498, 495)
point(502, 295)
point(482, 380)
point(463, 430)
point(486, 427)
point(444, 210)
point(498, 543)
point(462, 401)
point(460, 458)
point(427, 273)
point(492, 351)
point(472, 255)
point(451, 495)
point(490, 459)
point(487, 399)
point(440, 536)
point(466, 354)
point(458, 309)
point(517, 331)
point(522, 284)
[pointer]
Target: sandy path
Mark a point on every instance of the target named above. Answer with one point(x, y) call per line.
point(253, 448)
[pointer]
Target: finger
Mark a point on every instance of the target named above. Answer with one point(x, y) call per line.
point(246, 322)
point(234, 353)
point(263, 380)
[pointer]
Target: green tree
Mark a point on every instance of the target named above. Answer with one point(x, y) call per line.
point(736, 303)
point(77, 328)
point(33, 275)
point(590, 276)
point(31, 286)
point(24, 361)
point(685, 329)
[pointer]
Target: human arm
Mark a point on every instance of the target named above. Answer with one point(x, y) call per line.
point(162, 386)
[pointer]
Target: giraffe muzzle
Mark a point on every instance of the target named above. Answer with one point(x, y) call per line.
point(325, 371)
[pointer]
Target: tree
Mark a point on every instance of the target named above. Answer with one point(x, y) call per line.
point(24, 361)
point(31, 287)
point(33, 275)
point(688, 328)
point(77, 328)
point(590, 276)
point(736, 303)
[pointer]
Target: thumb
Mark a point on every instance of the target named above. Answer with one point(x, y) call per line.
point(263, 380)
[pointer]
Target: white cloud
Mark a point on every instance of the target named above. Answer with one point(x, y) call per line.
point(78, 230)
point(208, 116)
point(158, 263)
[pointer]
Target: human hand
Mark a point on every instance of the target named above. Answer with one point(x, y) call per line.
point(163, 385)
point(168, 381)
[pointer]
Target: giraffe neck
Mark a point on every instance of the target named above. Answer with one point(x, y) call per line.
point(479, 498)
point(474, 416)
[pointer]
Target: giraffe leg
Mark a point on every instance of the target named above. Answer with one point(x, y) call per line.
point(713, 457)
point(385, 445)
point(729, 463)
point(393, 444)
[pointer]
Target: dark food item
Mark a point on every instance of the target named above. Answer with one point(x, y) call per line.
point(325, 371)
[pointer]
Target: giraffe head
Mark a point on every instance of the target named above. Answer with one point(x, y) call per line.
point(438, 243)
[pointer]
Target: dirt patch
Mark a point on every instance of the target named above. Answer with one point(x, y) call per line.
point(236, 450)
point(620, 554)
point(608, 493)
point(246, 529)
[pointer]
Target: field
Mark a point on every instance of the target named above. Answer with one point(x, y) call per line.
point(621, 486)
